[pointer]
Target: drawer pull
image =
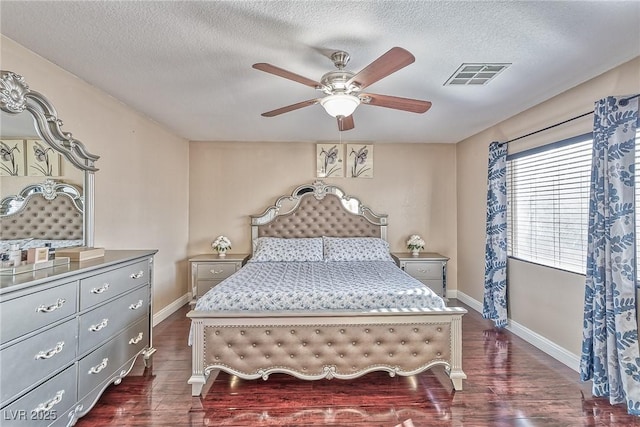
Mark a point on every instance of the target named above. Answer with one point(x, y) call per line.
point(96, 369)
point(214, 271)
point(98, 326)
point(46, 406)
point(101, 289)
point(137, 339)
point(137, 275)
point(422, 270)
point(49, 308)
point(50, 353)
point(136, 305)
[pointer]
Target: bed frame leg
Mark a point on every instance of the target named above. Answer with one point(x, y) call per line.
point(457, 381)
point(196, 404)
point(197, 382)
point(456, 374)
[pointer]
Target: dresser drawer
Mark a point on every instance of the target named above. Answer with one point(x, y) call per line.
point(103, 286)
point(44, 404)
point(104, 362)
point(424, 269)
point(435, 285)
point(31, 312)
point(29, 361)
point(216, 270)
point(100, 324)
point(134, 339)
point(204, 285)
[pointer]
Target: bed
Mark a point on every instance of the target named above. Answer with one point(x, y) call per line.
point(302, 337)
point(47, 212)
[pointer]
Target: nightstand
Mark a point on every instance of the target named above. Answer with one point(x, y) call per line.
point(428, 267)
point(210, 269)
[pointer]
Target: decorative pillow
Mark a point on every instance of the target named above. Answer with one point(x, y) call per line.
point(356, 249)
point(278, 249)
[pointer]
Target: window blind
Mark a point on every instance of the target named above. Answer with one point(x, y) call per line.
point(548, 204)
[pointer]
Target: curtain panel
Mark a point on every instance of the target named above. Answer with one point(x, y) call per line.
point(495, 274)
point(610, 354)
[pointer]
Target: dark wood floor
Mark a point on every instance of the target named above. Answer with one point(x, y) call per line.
point(510, 383)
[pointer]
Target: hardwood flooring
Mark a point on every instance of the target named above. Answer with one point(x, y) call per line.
point(510, 383)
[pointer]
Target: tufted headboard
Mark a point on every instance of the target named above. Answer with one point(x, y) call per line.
point(315, 210)
point(47, 211)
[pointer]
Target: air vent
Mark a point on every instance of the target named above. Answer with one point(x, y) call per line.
point(475, 74)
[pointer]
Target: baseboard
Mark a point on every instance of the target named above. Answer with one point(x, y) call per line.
point(549, 347)
point(462, 297)
point(170, 309)
point(552, 349)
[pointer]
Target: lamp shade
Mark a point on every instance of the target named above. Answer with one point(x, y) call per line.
point(340, 104)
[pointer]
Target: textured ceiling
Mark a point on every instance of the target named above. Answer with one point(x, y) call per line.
point(187, 64)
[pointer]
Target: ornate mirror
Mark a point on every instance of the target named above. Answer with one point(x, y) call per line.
point(46, 176)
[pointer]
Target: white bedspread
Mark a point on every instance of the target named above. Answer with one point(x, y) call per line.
point(321, 285)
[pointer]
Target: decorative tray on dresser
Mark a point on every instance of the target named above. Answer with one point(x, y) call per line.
point(68, 332)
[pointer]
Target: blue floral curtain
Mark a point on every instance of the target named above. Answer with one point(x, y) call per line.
point(610, 354)
point(495, 259)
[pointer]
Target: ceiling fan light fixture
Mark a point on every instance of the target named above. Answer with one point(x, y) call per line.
point(340, 104)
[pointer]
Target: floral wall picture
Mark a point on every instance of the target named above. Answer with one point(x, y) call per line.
point(359, 160)
point(12, 157)
point(42, 160)
point(329, 161)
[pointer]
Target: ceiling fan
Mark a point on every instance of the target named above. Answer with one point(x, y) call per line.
point(343, 89)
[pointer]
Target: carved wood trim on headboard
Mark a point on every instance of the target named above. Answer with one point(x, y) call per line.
point(315, 210)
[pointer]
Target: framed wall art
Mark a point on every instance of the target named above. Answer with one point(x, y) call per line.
point(329, 160)
point(42, 160)
point(359, 160)
point(12, 157)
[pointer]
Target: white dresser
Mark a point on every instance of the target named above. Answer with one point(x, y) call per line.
point(68, 332)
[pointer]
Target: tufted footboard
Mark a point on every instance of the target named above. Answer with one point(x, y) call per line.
point(325, 344)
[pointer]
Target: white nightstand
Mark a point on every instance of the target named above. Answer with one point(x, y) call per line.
point(210, 269)
point(428, 267)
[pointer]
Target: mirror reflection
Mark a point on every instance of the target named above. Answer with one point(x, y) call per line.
point(20, 167)
point(46, 176)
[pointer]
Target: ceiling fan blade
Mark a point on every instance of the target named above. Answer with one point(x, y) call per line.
point(291, 107)
point(392, 61)
point(345, 123)
point(397, 103)
point(268, 68)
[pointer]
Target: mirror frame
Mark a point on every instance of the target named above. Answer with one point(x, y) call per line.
point(15, 98)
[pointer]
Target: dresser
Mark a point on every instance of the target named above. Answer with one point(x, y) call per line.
point(68, 332)
point(428, 267)
point(207, 270)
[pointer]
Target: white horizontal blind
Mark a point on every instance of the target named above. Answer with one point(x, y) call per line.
point(548, 204)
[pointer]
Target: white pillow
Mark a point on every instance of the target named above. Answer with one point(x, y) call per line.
point(278, 250)
point(356, 249)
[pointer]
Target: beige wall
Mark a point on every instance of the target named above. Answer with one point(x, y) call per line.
point(544, 300)
point(142, 189)
point(413, 183)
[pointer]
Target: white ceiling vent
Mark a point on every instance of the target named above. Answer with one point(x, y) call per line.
point(475, 74)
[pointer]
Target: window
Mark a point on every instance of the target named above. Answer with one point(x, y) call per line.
point(548, 203)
